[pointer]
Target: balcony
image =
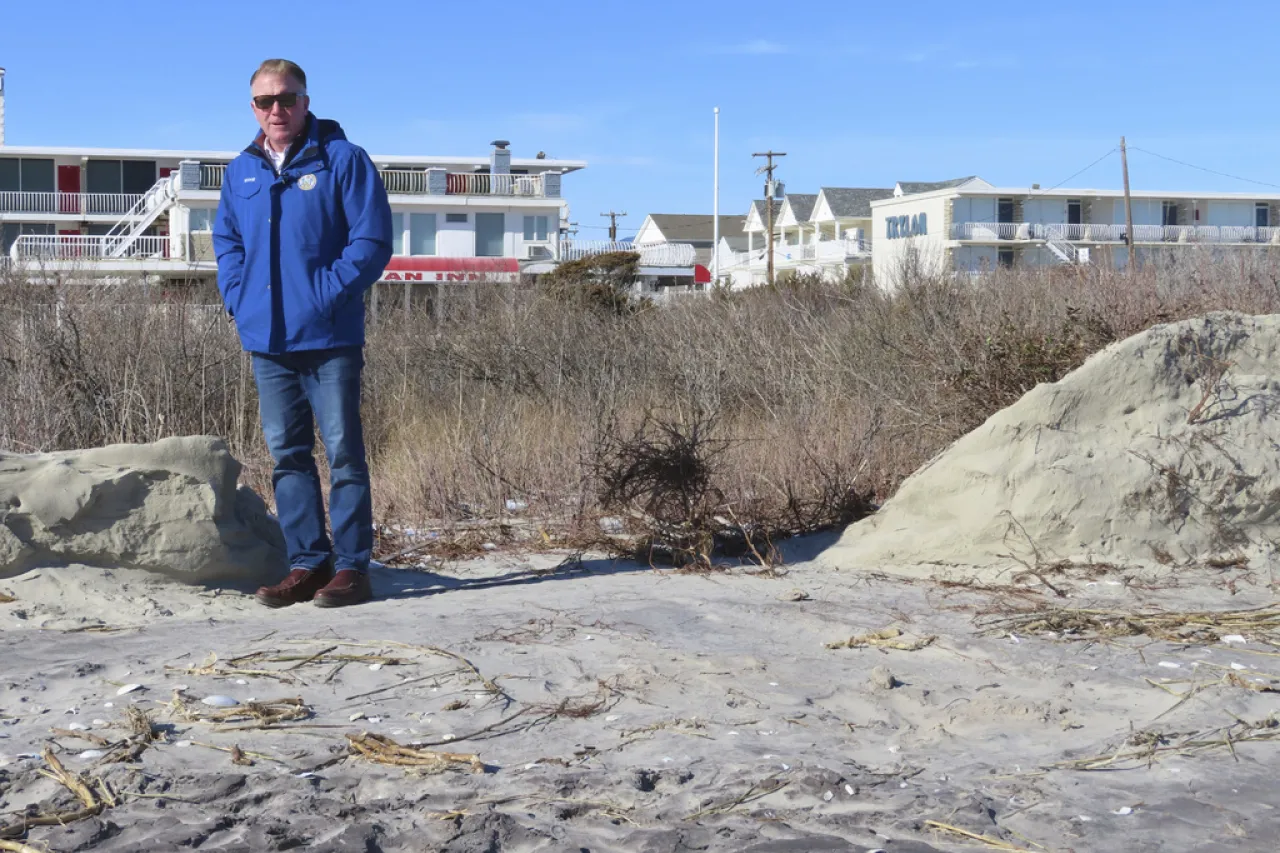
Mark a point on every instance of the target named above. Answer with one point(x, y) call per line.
point(987, 232)
point(39, 247)
point(843, 249)
point(435, 182)
point(73, 204)
point(657, 255)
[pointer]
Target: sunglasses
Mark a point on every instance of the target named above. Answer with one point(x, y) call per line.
point(266, 102)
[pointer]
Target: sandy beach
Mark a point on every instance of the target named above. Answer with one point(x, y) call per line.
point(612, 706)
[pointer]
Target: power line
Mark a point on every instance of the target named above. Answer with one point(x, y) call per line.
point(1205, 169)
point(1058, 185)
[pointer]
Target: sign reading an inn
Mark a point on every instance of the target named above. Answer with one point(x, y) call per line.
point(907, 226)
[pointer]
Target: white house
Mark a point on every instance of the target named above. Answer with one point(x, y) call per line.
point(969, 226)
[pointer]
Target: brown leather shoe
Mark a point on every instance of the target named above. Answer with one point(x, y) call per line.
point(347, 587)
point(299, 586)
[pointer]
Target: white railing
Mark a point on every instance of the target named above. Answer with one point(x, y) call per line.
point(78, 204)
point(409, 182)
point(211, 175)
point(405, 181)
point(845, 247)
point(457, 183)
point(984, 230)
point(657, 255)
point(67, 247)
point(1107, 233)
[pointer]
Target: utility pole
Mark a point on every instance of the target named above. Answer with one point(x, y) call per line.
point(769, 188)
point(1128, 205)
point(613, 224)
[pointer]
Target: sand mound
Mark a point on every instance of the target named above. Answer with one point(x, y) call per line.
point(171, 507)
point(1162, 450)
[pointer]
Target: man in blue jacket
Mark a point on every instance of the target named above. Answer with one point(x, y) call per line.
point(303, 230)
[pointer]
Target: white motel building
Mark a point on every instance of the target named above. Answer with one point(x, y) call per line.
point(125, 212)
point(968, 226)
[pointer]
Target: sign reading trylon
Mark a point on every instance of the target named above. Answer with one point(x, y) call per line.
point(907, 226)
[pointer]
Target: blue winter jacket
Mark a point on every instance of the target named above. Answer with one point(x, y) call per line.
point(297, 251)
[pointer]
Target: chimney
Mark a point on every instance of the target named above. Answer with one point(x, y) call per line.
point(1, 107)
point(500, 160)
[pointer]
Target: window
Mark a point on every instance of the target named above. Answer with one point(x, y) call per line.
point(535, 229)
point(397, 233)
point(120, 176)
point(1074, 216)
point(26, 174)
point(1005, 258)
point(455, 218)
point(1262, 214)
point(1169, 213)
point(1004, 210)
point(490, 235)
point(422, 233)
point(201, 218)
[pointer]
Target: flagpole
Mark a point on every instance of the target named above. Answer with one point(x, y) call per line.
point(715, 209)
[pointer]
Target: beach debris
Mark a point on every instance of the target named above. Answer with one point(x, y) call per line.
point(1168, 664)
point(219, 701)
point(794, 595)
point(828, 797)
point(94, 796)
point(128, 688)
point(1205, 626)
point(383, 750)
point(993, 843)
point(489, 546)
point(515, 505)
point(358, 715)
point(612, 525)
point(883, 679)
point(238, 757)
point(6, 598)
point(1123, 810)
point(250, 715)
point(91, 753)
point(1239, 667)
point(887, 638)
point(77, 727)
point(375, 666)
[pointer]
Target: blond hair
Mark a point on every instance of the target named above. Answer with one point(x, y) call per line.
point(283, 67)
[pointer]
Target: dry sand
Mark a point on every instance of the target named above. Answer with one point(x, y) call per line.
point(642, 710)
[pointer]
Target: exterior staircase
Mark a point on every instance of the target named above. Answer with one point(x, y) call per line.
point(1061, 249)
point(154, 202)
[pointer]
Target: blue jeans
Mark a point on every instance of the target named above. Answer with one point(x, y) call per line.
point(296, 391)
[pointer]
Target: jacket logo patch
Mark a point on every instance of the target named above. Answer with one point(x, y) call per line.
point(307, 182)
point(250, 180)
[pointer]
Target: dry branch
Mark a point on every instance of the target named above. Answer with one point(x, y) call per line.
point(383, 750)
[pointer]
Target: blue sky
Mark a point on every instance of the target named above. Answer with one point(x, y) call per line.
point(857, 94)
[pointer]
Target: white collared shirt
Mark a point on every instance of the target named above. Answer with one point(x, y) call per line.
point(277, 157)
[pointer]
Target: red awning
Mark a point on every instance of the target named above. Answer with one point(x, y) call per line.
point(431, 268)
point(701, 275)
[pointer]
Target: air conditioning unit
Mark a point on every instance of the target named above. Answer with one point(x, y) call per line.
point(535, 252)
